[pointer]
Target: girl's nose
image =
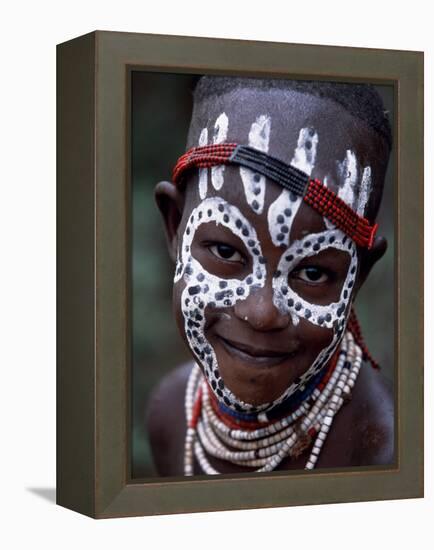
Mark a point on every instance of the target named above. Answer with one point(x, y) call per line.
point(260, 312)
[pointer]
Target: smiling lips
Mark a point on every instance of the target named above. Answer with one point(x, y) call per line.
point(254, 355)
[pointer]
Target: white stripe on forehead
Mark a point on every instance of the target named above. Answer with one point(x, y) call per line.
point(347, 171)
point(203, 172)
point(305, 152)
point(365, 191)
point(254, 183)
point(220, 135)
point(280, 216)
point(283, 210)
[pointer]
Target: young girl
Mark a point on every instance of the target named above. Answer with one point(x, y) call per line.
point(270, 218)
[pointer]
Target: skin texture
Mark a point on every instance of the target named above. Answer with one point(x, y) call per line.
point(262, 349)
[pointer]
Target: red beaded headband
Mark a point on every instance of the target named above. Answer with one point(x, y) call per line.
point(313, 191)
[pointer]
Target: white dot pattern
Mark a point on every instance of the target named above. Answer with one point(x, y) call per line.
point(281, 215)
point(253, 182)
point(220, 135)
point(204, 289)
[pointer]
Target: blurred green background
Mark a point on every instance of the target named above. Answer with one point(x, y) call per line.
point(161, 107)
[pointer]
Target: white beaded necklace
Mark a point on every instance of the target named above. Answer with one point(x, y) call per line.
point(265, 448)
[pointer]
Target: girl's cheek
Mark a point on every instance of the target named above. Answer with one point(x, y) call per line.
point(314, 337)
point(178, 289)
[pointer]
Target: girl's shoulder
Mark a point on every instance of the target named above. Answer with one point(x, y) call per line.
point(373, 418)
point(362, 432)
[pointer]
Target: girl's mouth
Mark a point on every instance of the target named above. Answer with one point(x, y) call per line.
point(254, 355)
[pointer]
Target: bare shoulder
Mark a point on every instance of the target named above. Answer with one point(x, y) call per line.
point(165, 420)
point(373, 417)
point(363, 430)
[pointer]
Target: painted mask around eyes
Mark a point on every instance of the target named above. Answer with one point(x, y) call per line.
point(281, 215)
point(333, 315)
point(205, 289)
point(287, 300)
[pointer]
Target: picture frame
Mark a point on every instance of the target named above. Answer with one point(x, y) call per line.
point(94, 273)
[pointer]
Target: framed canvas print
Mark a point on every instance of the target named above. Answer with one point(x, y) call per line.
point(239, 274)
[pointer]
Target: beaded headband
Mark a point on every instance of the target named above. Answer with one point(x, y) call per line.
point(314, 192)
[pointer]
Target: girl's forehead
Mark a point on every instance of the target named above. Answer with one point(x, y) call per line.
point(305, 222)
point(312, 134)
point(287, 112)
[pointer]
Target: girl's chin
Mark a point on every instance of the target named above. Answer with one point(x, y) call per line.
point(256, 381)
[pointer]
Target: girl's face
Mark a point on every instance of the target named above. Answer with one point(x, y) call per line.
point(263, 283)
point(258, 316)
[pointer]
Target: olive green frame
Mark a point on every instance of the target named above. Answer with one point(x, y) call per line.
point(93, 374)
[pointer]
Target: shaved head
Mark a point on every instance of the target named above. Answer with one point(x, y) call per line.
point(339, 129)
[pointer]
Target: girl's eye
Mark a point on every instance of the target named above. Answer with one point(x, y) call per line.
point(311, 275)
point(226, 252)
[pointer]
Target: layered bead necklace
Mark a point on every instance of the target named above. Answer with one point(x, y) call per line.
point(264, 447)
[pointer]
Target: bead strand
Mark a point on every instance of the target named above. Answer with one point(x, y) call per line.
point(335, 403)
point(192, 389)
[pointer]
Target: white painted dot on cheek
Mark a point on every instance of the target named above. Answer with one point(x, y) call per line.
point(253, 182)
point(295, 319)
point(220, 136)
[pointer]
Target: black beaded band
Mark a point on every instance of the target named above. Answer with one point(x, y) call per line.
point(284, 174)
point(313, 192)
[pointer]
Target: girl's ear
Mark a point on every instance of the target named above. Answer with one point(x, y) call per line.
point(369, 258)
point(170, 201)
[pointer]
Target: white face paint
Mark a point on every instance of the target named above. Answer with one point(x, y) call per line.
point(289, 301)
point(305, 152)
point(365, 191)
point(347, 171)
point(254, 183)
point(220, 135)
point(205, 289)
point(281, 215)
point(333, 315)
point(284, 209)
point(203, 172)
